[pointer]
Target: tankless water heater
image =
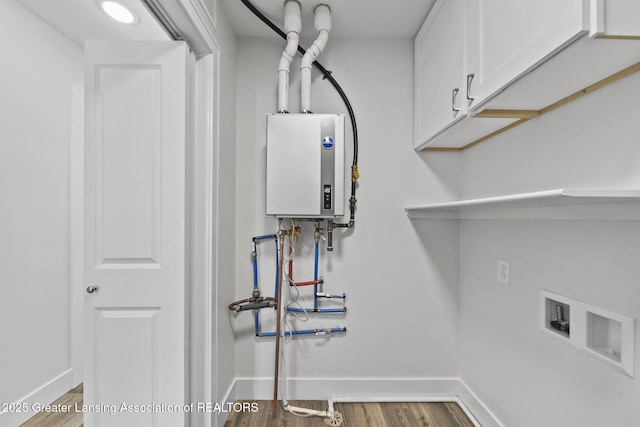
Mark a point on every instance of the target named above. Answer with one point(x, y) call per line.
point(305, 165)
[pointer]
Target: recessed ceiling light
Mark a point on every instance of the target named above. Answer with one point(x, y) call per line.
point(119, 12)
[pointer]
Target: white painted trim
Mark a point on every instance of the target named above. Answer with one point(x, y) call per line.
point(191, 20)
point(230, 395)
point(208, 64)
point(356, 399)
point(467, 412)
point(205, 243)
point(481, 415)
point(193, 253)
point(363, 388)
point(76, 225)
point(216, 225)
point(43, 395)
point(202, 336)
point(203, 19)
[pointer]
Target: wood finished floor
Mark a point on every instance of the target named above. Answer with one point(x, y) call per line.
point(447, 414)
point(60, 419)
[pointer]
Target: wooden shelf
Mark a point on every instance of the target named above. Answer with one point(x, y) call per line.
point(574, 204)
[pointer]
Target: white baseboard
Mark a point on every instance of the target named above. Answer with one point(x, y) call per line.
point(470, 402)
point(370, 390)
point(229, 397)
point(324, 388)
point(43, 395)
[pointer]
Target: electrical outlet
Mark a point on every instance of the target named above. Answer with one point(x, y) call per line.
point(504, 271)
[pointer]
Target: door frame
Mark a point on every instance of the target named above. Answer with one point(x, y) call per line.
point(76, 230)
point(201, 206)
point(202, 294)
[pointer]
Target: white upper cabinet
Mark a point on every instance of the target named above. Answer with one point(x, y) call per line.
point(439, 76)
point(503, 62)
point(507, 38)
point(441, 100)
point(615, 18)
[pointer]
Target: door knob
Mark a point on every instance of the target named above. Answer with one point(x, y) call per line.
point(92, 289)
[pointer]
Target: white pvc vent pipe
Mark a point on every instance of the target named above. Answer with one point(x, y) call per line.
point(293, 27)
point(322, 21)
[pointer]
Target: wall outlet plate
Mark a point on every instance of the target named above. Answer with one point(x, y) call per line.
point(504, 271)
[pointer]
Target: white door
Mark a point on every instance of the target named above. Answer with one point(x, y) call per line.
point(506, 38)
point(134, 318)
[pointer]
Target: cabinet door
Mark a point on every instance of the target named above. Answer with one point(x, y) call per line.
point(439, 70)
point(507, 38)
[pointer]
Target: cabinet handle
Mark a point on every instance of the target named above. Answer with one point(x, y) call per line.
point(470, 77)
point(454, 93)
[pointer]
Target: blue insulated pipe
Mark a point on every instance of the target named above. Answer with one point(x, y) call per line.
point(322, 331)
point(265, 237)
point(256, 320)
point(254, 254)
point(316, 310)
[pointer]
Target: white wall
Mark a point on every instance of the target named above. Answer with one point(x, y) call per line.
point(401, 286)
point(423, 297)
point(39, 67)
point(214, 195)
point(525, 377)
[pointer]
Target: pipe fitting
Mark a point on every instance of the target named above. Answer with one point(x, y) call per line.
point(322, 17)
point(322, 21)
point(315, 49)
point(292, 19)
point(293, 27)
point(289, 52)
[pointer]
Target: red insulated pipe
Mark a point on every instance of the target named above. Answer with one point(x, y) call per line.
point(311, 282)
point(290, 263)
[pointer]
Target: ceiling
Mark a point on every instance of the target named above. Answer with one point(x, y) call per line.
point(82, 20)
point(350, 18)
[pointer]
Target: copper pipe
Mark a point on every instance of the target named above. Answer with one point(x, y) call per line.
point(281, 235)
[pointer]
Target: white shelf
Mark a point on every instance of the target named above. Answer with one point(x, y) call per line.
point(585, 204)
